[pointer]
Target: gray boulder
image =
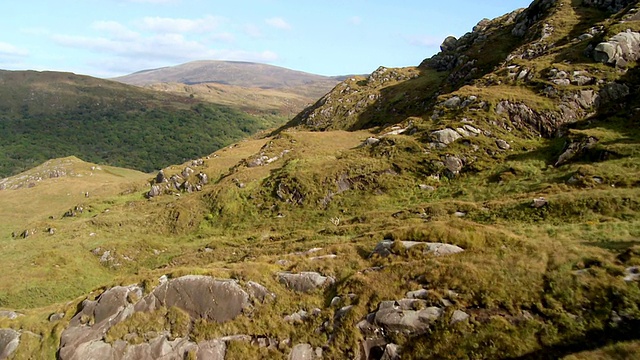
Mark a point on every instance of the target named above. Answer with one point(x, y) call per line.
point(449, 43)
point(453, 164)
point(619, 50)
point(9, 341)
point(445, 136)
point(384, 248)
point(409, 322)
point(304, 281)
point(9, 315)
point(202, 297)
point(302, 352)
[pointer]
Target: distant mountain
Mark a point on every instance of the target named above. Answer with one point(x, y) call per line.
point(244, 74)
point(45, 115)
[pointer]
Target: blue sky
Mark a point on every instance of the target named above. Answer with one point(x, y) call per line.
point(106, 38)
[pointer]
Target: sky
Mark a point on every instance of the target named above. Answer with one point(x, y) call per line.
point(108, 38)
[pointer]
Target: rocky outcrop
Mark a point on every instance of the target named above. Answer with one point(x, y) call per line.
point(9, 341)
point(186, 181)
point(200, 297)
point(386, 248)
point(619, 50)
point(575, 149)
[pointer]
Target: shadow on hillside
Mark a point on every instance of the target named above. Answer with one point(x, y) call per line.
point(592, 340)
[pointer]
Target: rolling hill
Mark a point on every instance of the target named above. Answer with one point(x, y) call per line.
point(483, 204)
point(45, 115)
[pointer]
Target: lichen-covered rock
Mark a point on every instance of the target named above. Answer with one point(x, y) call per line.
point(385, 248)
point(11, 315)
point(9, 341)
point(302, 352)
point(445, 136)
point(619, 50)
point(201, 297)
point(304, 281)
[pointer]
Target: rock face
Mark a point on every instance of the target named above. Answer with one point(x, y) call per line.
point(619, 50)
point(9, 341)
point(201, 297)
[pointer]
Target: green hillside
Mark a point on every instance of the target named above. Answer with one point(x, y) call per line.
point(45, 115)
point(482, 205)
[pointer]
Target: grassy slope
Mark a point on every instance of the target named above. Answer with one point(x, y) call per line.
point(538, 282)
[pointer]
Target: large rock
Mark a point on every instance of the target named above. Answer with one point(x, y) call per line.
point(385, 248)
point(304, 281)
point(445, 136)
point(9, 341)
point(302, 352)
point(410, 322)
point(201, 297)
point(619, 50)
point(9, 314)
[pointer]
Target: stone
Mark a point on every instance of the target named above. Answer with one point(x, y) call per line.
point(56, 317)
point(305, 281)
point(259, 292)
point(391, 352)
point(445, 136)
point(503, 145)
point(9, 341)
point(576, 148)
point(417, 294)
point(449, 43)
point(370, 141)
point(632, 273)
point(156, 190)
point(302, 352)
point(161, 178)
point(453, 164)
point(619, 50)
point(539, 202)
point(384, 248)
point(211, 350)
point(11, 315)
point(458, 316)
point(426, 187)
point(297, 317)
point(409, 322)
point(453, 102)
point(202, 297)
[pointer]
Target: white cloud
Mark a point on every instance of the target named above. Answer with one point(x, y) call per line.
point(425, 40)
point(278, 23)
point(355, 20)
point(115, 29)
point(178, 25)
point(253, 31)
point(223, 37)
point(10, 50)
point(159, 50)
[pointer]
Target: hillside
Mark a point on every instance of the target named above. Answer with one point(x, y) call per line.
point(235, 73)
point(481, 205)
point(45, 115)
